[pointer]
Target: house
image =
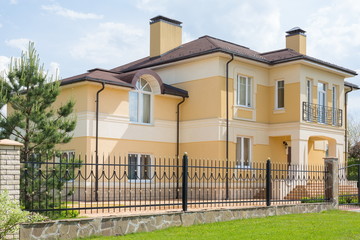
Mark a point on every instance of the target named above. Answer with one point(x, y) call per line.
point(214, 100)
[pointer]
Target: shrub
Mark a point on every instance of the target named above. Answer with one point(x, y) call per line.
point(11, 215)
point(317, 199)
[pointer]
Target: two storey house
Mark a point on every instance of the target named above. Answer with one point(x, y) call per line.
point(214, 100)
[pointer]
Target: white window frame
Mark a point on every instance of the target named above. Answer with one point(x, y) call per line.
point(139, 105)
point(277, 93)
point(322, 111)
point(334, 104)
point(248, 91)
point(242, 160)
point(309, 91)
point(138, 167)
point(67, 152)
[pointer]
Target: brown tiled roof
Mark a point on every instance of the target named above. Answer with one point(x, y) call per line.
point(207, 45)
point(118, 79)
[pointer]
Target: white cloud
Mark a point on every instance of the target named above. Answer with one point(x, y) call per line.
point(1, 25)
point(111, 43)
point(68, 13)
point(254, 24)
point(13, 1)
point(4, 65)
point(53, 71)
point(337, 30)
point(152, 5)
point(20, 43)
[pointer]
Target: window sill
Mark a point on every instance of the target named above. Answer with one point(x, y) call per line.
point(143, 124)
point(139, 181)
point(245, 107)
point(279, 110)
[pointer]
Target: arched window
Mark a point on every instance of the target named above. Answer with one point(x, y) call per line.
point(140, 102)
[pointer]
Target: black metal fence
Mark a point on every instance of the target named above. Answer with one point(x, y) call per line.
point(63, 187)
point(349, 186)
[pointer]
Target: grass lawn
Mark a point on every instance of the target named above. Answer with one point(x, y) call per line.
point(326, 225)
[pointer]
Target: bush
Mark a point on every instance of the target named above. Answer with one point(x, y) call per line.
point(317, 199)
point(11, 215)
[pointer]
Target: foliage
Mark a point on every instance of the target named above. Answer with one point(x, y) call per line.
point(352, 170)
point(44, 186)
point(11, 215)
point(34, 121)
point(353, 131)
point(347, 198)
point(317, 199)
point(30, 94)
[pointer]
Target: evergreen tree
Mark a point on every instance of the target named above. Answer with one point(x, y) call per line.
point(33, 121)
point(30, 93)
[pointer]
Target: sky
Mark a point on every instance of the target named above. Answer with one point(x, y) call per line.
point(72, 37)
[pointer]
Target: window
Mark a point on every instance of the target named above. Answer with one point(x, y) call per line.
point(140, 102)
point(334, 106)
point(139, 167)
point(309, 91)
point(243, 93)
point(280, 94)
point(322, 102)
point(243, 152)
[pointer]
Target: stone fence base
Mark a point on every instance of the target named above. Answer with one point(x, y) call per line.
point(121, 225)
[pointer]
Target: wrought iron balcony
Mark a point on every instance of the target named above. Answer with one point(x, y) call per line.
point(322, 114)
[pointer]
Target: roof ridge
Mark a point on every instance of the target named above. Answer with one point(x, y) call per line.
point(281, 50)
point(207, 36)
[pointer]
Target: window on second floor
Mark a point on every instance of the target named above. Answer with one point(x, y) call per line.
point(140, 102)
point(280, 95)
point(243, 92)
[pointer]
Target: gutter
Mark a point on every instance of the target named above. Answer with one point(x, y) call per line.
point(178, 145)
point(227, 126)
point(346, 125)
point(97, 144)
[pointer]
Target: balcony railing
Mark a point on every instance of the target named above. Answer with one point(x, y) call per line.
point(322, 114)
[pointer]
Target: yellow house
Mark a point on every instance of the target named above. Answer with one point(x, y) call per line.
point(214, 100)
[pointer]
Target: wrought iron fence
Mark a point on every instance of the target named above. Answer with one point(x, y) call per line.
point(349, 185)
point(322, 114)
point(68, 186)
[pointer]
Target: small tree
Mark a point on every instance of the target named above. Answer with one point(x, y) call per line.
point(11, 215)
point(30, 94)
point(33, 121)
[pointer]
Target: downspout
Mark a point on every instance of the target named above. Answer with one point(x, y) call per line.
point(346, 125)
point(227, 126)
point(178, 145)
point(97, 144)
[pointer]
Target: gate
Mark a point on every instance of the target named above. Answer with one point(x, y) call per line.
point(349, 186)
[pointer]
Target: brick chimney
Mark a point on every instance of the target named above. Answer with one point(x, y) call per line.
point(296, 40)
point(165, 34)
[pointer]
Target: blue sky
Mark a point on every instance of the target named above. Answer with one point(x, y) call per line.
point(74, 36)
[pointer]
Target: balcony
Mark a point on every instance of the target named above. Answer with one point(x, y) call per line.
point(322, 114)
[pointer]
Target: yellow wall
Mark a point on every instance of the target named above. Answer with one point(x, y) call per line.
point(297, 43)
point(205, 98)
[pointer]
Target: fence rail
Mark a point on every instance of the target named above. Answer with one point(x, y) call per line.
point(66, 186)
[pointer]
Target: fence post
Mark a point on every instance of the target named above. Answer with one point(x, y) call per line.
point(185, 182)
point(10, 170)
point(332, 180)
point(268, 182)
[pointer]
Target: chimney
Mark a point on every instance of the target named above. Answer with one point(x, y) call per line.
point(296, 40)
point(165, 34)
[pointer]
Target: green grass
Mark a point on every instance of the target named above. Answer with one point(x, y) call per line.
point(326, 225)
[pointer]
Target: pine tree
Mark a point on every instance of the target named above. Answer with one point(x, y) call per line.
point(33, 121)
point(30, 93)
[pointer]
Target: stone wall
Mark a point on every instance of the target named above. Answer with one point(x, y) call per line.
point(10, 171)
point(112, 226)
